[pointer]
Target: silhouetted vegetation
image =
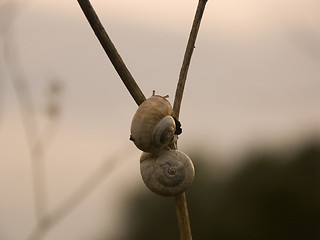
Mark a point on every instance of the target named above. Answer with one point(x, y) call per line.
point(272, 196)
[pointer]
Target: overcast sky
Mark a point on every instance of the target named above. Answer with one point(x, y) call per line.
point(254, 79)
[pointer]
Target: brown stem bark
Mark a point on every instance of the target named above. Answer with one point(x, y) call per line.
point(187, 57)
point(180, 199)
point(111, 51)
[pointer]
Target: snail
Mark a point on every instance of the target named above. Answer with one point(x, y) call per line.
point(153, 127)
point(167, 172)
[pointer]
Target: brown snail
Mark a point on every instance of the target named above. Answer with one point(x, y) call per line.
point(167, 173)
point(153, 127)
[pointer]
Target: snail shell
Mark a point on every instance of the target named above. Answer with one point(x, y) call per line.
point(167, 173)
point(152, 126)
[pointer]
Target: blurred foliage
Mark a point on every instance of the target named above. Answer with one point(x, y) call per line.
point(274, 195)
point(53, 99)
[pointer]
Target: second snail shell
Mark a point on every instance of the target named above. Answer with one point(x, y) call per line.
point(167, 173)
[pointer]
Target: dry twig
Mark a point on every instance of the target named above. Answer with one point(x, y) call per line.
point(111, 51)
point(27, 110)
point(180, 199)
point(49, 220)
point(187, 57)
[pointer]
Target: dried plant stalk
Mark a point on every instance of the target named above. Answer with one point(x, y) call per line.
point(180, 199)
point(111, 51)
point(187, 57)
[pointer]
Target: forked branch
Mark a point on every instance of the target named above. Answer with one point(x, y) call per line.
point(180, 199)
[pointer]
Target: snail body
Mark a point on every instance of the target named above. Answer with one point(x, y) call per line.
point(153, 126)
point(167, 173)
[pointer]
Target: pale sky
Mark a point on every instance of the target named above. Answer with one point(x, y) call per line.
point(253, 80)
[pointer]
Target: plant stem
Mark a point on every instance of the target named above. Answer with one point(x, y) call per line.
point(187, 57)
point(183, 216)
point(27, 111)
point(78, 195)
point(180, 199)
point(111, 51)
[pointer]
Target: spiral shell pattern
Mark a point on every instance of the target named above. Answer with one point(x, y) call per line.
point(167, 173)
point(152, 126)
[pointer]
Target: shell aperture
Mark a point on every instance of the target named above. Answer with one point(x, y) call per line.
point(152, 126)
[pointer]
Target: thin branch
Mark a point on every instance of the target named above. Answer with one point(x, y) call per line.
point(111, 51)
point(187, 58)
point(36, 141)
point(79, 195)
point(27, 111)
point(180, 199)
point(183, 216)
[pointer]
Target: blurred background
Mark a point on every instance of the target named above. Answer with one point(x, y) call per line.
point(250, 117)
